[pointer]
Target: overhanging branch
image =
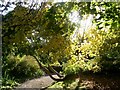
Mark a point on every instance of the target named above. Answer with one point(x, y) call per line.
point(54, 71)
point(47, 71)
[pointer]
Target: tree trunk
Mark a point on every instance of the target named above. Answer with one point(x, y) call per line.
point(54, 71)
point(46, 70)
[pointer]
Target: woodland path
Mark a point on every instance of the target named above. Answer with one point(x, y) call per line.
point(92, 81)
point(39, 83)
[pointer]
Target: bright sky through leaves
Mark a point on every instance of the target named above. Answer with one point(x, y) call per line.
point(74, 17)
point(82, 24)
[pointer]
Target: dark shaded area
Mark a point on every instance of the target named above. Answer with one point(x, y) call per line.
point(57, 68)
point(100, 81)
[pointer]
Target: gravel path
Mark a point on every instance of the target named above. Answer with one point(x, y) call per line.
point(40, 83)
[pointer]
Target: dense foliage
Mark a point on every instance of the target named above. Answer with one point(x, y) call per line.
point(40, 30)
point(97, 49)
point(102, 44)
point(16, 70)
point(45, 33)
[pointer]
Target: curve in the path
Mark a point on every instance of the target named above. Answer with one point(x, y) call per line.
point(40, 83)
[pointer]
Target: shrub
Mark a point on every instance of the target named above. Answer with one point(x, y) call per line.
point(17, 69)
point(101, 48)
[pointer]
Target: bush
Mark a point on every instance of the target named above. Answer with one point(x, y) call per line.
point(99, 51)
point(8, 83)
point(66, 85)
point(101, 48)
point(16, 69)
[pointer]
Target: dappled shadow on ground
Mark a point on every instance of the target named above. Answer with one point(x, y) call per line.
point(86, 81)
point(100, 81)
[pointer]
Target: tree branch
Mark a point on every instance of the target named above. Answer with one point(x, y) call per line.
point(47, 71)
point(54, 71)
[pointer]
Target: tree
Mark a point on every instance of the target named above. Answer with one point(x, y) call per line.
point(100, 47)
point(46, 34)
point(42, 33)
